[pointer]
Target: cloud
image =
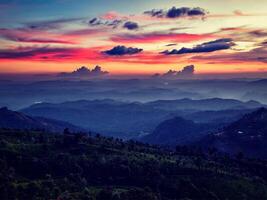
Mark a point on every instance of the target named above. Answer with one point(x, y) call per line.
point(130, 25)
point(24, 35)
point(159, 37)
point(171, 44)
point(254, 55)
point(177, 12)
point(83, 72)
point(114, 23)
point(244, 34)
point(155, 13)
point(122, 50)
point(186, 72)
point(170, 73)
point(49, 53)
point(180, 12)
point(258, 33)
point(95, 22)
point(216, 45)
point(30, 52)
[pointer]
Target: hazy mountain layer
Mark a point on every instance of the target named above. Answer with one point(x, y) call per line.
point(129, 120)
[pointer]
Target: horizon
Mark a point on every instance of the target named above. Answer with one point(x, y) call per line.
point(15, 76)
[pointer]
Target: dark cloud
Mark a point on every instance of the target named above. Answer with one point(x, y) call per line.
point(114, 23)
point(84, 72)
point(184, 11)
point(95, 21)
point(186, 72)
point(258, 33)
point(170, 73)
point(98, 21)
point(155, 13)
point(98, 71)
point(122, 50)
point(254, 55)
point(31, 52)
point(177, 12)
point(130, 25)
point(216, 45)
point(171, 44)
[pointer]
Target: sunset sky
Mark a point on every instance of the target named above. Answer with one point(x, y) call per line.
point(133, 36)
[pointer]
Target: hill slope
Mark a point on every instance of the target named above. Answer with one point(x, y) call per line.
point(178, 131)
point(36, 165)
point(247, 135)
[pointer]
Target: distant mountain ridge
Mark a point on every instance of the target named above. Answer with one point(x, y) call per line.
point(16, 120)
point(131, 119)
point(205, 104)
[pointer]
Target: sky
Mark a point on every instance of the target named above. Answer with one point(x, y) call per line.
point(133, 36)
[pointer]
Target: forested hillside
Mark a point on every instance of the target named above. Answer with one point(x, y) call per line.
point(36, 165)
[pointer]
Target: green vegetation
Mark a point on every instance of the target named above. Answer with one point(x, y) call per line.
point(36, 165)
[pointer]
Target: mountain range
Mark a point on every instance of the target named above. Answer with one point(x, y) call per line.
point(19, 93)
point(133, 119)
point(247, 134)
